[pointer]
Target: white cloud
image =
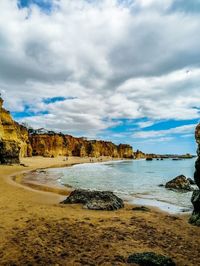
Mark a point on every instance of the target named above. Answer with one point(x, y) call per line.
point(185, 130)
point(132, 60)
point(170, 96)
point(145, 124)
point(153, 141)
point(155, 4)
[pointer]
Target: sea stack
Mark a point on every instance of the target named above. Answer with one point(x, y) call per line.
point(195, 218)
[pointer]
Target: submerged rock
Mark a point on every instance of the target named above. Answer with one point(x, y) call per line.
point(141, 208)
point(149, 159)
point(95, 200)
point(150, 259)
point(195, 218)
point(179, 183)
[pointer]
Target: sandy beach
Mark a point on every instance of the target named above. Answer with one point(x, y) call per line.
point(36, 230)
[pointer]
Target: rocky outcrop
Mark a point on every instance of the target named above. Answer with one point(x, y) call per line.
point(9, 152)
point(150, 259)
point(19, 141)
point(95, 200)
point(149, 159)
point(51, 145)
point(48, 145)
point(14, 138)
point(195, 218)
point(197, 164)
point(179, 183)
point(125, 151)
point(139, 154)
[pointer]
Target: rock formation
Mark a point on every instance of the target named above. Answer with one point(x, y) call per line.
point(17, 141)
point(179, 183)
point(150, 259)
point(9, 152)
point(14, 138)
point(95, 200)
point(139, 154)
point(195, 218)
point(51, 145)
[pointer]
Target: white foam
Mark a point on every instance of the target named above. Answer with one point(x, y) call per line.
point(164, 206)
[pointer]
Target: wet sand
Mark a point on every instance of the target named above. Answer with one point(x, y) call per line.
point(36, 230)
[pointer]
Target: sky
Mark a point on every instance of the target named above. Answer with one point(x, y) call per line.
point(119, 70)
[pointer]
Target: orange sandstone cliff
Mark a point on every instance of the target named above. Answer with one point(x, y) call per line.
point(51, 145)
point(16, 141)
point(14, 138)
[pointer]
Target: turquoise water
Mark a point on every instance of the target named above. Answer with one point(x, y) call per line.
point(136, 181)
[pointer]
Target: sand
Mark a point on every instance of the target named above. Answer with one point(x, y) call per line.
point(36, 230)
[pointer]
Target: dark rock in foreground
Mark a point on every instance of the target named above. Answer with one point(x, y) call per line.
point(95, 200)
point(150, 259)
point(9, 152)
point(179, 183)
point(191, 181)
point(195, 218)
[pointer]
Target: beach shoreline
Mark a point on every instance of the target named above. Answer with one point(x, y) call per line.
point(44, 180)
point(95, 237)
point(59, 162)
point(54, 186)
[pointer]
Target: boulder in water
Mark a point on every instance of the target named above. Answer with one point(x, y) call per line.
point(179, 183)
point(150, 259)
point(95, 200)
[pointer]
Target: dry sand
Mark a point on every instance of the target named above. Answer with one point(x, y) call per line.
point(36, 230)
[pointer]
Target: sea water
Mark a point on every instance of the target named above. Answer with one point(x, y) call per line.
point(136, 181)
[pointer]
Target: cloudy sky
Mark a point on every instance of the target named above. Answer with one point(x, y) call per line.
point(120, 70)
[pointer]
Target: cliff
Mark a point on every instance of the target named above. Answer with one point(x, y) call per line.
point(139, 155)
point(52, 145)
point(14, 138)
point(195, 218)
point(16, 141)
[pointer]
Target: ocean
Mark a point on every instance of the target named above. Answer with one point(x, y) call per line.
point(136, 181)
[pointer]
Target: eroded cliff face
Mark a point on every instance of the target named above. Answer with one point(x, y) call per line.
point(52, 145)
point(139, 155)
point(14, 139)
point(195, 218)
point(16, 142)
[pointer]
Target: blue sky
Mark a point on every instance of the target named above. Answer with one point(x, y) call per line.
point(114, 70)
point(45, 5)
